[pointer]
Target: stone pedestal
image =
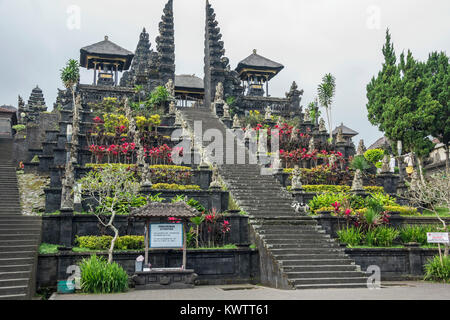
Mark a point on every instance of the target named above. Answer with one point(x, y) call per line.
point(65, 231)
point(164, 279)
point(299, 195)
point(389, 182)
point(228, 122)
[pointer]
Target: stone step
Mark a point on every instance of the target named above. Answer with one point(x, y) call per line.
point(324, 245)
point(12, 237)
point(300, 242)
point(300, 237)
point(17, 248)
point(20, 217)
point(15, 268)
point(305, 251)
point(318, 268)
point(19, 221)
point(29, 230)
point(15, 275)
point(22, 296)
point(14, 282)
point(306, 256)
point(298, 232)
point(332, 286)
point(328, 281)
point(12, 226)
point(17, 254)
point(323, 274)
point(316, 262)
point(13, 290)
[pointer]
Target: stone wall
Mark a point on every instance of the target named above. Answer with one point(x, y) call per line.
point(214, 267)
point(58, 229)
point(395, 263)
point(332, 224)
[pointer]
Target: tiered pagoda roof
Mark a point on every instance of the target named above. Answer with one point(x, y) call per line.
point(36, 98)
point(257, 64)
point(346, 131)
point(105, 51)
point(165, 44)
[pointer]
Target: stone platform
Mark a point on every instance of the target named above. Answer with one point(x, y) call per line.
point(171, 278)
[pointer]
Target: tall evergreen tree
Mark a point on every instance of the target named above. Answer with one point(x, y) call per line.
point(438, 80)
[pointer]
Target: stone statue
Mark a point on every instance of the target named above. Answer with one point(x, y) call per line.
point(219, 93)
point(311, 147)
point(361, 148)
point(332, 160)
point(307, 117)
point(340, 136)
point(248, 132)
point(386, 168)
point(215, 183)
point(276, 166)
point(226, 111)
point(268, 115)
point(146, 176)
point(178, 118)
point(294, 135)
point(296, 183)
point(322, 127)
point(172, 108)
point(203, 162)
point(236, 122)
point(357, 184)
point(171, 88)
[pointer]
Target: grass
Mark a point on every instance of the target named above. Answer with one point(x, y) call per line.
point(85, 250)
point(443, 212)
point(47, 248)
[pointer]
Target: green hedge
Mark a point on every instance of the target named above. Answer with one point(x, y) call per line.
point(337, 188)
point(104, 242)
point(167, 186)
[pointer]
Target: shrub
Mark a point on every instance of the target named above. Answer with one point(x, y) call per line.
point(104, 242)
point(437, 271)
point(167, 186)
point(385, 236)
point(351, 236)
point(170, 174)
point(99, 276)
point(374, 155)
point(124, 207)
point(19, 127)
point(417, 233)
point(403, 210)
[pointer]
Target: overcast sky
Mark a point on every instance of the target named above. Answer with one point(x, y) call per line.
point(310, 38)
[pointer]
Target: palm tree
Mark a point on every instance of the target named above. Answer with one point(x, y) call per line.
point(326, 91)
point(70, 76)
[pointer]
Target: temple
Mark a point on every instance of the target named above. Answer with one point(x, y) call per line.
point(106, 59)
point(255, 71)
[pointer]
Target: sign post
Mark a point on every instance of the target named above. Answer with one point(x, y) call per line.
point(438, 237)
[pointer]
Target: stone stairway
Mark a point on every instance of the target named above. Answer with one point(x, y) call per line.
point(295, 252)
point(19, 235)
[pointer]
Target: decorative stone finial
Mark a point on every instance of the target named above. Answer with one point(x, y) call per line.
point(361, 148)
point(254, 51)
point(340, 136)
point(236, 122)
point(268, 115)
point(106, 38)
point(322, 127)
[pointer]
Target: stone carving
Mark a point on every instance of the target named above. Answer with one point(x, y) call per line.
point(215, 183)
point(307, 116)
point(248, 132)
point(357, 184)
point(361, 148)
point(226, 111)
point(340, 136)
point(322, 127)
point(277, 166)
point(236, 122)
point(386, 167)
point(178, 119)
point(219, 92)
point(146, 176)
point(268, 115)
point(332, 160)
point(311, 147)
point(172, 108)
point(296, 183)
point(203, 161)
point(170, 88)
point(294, 135)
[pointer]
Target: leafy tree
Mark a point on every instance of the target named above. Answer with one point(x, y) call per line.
point(107, 189)
point(399, 101)
point(326, 91)
point(438, 81)
point(159, 96)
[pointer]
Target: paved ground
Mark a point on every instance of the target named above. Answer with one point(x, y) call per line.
point(388, 291)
